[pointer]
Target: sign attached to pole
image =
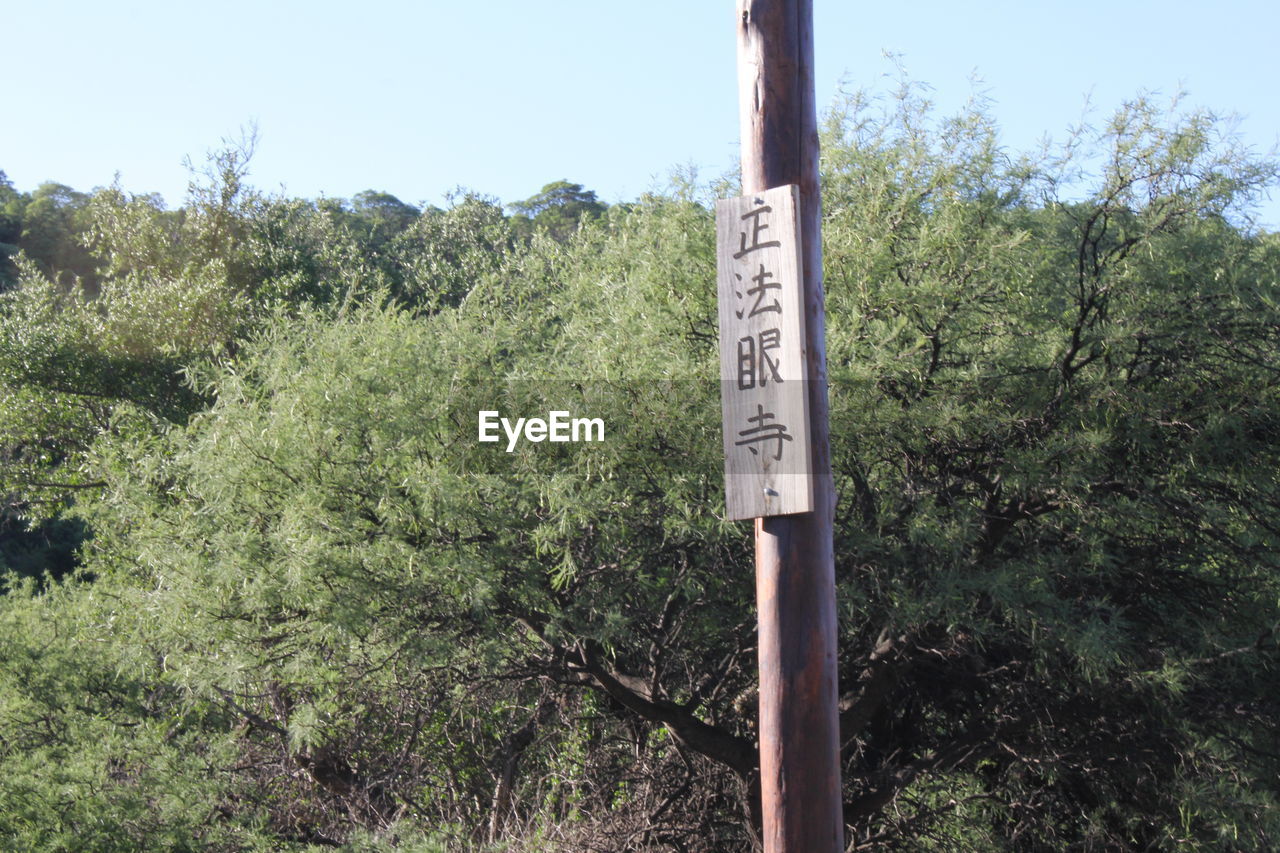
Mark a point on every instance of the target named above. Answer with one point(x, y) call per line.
point(764, 401)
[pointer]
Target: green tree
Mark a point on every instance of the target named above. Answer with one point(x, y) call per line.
point(71, 355)
point(383, 215)
point(11, 204)
point(101, 753)
point(1051, 449)
point(443, 254)
point(558, 210)
point(54, 224)
point(1055, 440)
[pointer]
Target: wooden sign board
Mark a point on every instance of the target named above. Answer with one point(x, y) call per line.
point(764, 400)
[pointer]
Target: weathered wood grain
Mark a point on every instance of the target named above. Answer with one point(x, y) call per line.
point(801, 800)
point(763, 375)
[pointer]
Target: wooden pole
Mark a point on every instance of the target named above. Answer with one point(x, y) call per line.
point(801, 800)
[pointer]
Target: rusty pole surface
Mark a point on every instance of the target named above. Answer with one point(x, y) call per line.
point(795, 574)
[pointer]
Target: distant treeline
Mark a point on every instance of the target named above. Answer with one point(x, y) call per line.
point(53, 225)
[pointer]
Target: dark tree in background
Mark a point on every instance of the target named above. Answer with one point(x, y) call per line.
point(558, 209)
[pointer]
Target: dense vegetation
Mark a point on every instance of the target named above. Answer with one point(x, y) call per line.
point(267, 591)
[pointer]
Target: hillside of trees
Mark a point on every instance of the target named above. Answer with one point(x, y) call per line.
point(261, 588)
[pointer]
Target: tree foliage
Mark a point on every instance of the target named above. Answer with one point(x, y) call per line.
point(315, 610)
point(1061, 419)
point(558, 209)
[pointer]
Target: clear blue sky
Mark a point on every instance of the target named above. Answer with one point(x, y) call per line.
point(500, 96)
